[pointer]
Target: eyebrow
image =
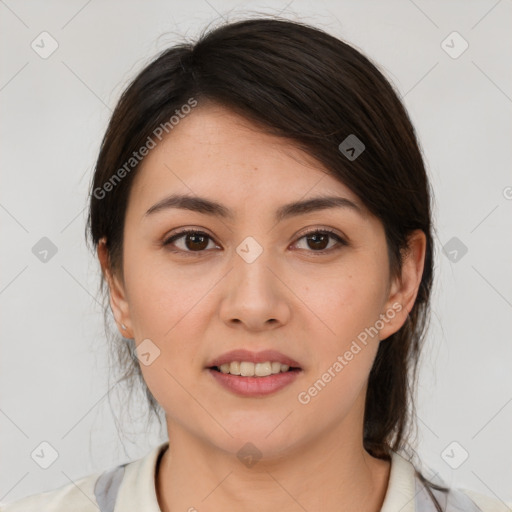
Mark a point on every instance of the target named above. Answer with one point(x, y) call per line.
point(209, 207)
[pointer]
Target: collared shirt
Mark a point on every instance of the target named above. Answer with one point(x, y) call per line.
point(131, 487)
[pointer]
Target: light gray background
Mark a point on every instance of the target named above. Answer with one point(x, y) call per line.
point(54, 112)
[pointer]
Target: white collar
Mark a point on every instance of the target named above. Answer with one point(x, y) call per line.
point(138, 487)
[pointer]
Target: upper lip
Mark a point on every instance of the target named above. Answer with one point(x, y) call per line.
point(253, 357)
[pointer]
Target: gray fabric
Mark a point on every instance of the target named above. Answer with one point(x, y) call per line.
point(452, 500)
point(107, 487)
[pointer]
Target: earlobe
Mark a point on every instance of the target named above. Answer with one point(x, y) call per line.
point(118, 303)
point(404, 289)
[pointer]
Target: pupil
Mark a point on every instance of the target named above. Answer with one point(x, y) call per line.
point(202, 239)
point(322, 243)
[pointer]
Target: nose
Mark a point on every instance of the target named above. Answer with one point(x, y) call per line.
point(255, 295)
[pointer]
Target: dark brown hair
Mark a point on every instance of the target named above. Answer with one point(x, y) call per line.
point(300, 83)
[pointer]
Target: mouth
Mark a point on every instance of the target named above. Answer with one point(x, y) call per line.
point(248, 379)
point(247, 369)
point(253, 374)
point(248, 363)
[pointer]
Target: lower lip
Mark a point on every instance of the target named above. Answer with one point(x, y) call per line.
point(254, 386)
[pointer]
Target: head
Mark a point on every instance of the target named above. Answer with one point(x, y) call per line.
point(255, 116)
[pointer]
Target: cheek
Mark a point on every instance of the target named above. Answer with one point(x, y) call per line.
point(347, 306)
point(167, 307)
point(345, 343)
point(162, 296)
point(344, 300)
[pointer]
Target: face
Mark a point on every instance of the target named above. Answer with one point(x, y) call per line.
point(309, 284)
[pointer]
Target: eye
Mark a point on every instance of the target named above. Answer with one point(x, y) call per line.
point(318, 240)
point(193, 241)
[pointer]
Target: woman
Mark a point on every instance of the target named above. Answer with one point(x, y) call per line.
point(261, 214)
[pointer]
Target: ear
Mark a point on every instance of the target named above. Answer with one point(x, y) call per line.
point(404, 288)
point(117, 295)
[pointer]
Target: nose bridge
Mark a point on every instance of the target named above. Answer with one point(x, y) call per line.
point(251, 273)
point(254, 296)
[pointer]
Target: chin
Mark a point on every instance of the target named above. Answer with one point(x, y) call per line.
point(256, 442)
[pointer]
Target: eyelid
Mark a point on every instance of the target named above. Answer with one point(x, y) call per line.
point(341, 239)
point(173, 236)
point(330, 231)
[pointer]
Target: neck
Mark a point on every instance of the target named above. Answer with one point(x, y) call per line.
point(332, 473)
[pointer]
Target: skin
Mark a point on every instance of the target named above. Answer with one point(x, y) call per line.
point(195, 307)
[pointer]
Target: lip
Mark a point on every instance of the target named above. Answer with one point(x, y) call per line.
point(253, 357)
point(254, 386)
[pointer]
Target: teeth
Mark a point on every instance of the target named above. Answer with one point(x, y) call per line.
point(276, 367)
point(248, 369)
point(233, 368)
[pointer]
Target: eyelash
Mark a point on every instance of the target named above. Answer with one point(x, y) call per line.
point(341, 241)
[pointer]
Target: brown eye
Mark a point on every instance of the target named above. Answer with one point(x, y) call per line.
point(192, 241)
point(196, 242)
point(318, 240)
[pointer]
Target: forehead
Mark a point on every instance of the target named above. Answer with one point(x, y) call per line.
point(216, 153)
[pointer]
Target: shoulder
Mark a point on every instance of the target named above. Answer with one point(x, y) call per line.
point(457, 499)
point(78, 495)
point(129, 487)
point(454, 499)
point(487, 503)
point(409, 491)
